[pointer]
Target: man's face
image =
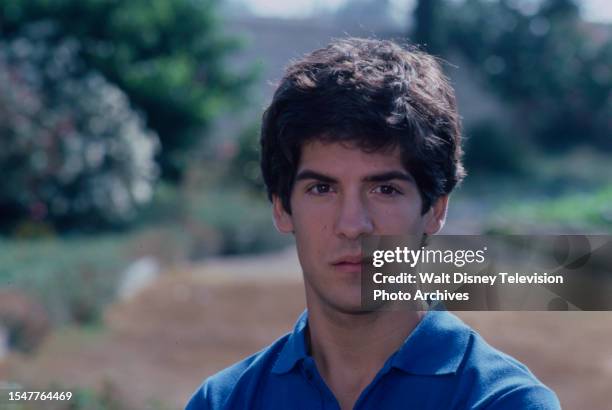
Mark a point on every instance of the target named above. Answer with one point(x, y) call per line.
point(340, 195)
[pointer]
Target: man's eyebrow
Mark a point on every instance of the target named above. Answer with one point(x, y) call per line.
point(309, 174)
point(382, 177)
point(388, 176)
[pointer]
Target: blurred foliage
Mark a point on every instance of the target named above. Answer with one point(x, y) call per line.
point(168, 56)
point(242, 220)
point(540, 178)
point(580, 212)
point(25, 320)
point(99, 97)
point(75, 154)
point(244, 167)
point(541, 58)
point(75, 277)
point(72, 278)
point(489, 149)
point(220, 217)
point(429, 32)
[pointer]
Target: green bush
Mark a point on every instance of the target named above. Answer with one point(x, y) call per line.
point(489, 150)
point(213, 219)
point(543, 60)
point(73, 278)
point(244, 168)
point(76, 156)
point(242, 219)
point(578, 211)
point(168, 56)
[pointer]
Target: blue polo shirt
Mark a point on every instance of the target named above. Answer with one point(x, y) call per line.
point(443, 364)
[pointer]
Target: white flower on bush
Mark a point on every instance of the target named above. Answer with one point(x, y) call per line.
point(71, 141)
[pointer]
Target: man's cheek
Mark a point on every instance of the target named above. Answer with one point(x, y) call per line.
point(394, 220)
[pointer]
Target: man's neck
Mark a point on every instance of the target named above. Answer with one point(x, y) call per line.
point(350, 349)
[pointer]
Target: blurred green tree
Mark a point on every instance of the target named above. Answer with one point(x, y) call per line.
point(553, 68)
point(168, 56)
point(244, 167)
point(429, 30)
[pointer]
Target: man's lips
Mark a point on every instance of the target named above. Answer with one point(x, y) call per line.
point(353, 259)
point(357, 259)
point(348, 263)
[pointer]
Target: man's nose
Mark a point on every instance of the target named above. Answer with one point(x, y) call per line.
point(354, 219)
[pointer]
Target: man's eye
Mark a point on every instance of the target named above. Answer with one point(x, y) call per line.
point(386, 190)
point(320, 189)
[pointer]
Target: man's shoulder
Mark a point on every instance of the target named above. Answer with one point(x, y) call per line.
point(214, 392)
point(496, 380)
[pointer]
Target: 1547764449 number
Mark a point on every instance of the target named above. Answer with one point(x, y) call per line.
point(39, 396)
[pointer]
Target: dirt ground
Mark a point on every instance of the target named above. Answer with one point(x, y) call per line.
point(158, 346)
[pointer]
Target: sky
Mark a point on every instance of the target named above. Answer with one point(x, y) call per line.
point(593, 10)
point(598, 10)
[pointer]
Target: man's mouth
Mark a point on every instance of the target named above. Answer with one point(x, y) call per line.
point(348, 264)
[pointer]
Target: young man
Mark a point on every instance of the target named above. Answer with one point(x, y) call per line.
point(363, 138)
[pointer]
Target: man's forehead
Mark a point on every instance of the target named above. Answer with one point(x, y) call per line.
point(348, 155)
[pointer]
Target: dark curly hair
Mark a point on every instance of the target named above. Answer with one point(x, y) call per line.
point(372, 93)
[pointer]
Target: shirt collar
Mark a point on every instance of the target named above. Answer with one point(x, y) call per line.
point(295, 347)
point(436, 346)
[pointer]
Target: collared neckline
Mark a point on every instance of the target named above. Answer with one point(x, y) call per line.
point(436, 346)
point(295, 347)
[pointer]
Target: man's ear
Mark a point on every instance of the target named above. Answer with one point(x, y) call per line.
point(436, 216)
point(282, 220)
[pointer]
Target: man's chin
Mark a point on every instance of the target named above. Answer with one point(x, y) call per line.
point(356, 308)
